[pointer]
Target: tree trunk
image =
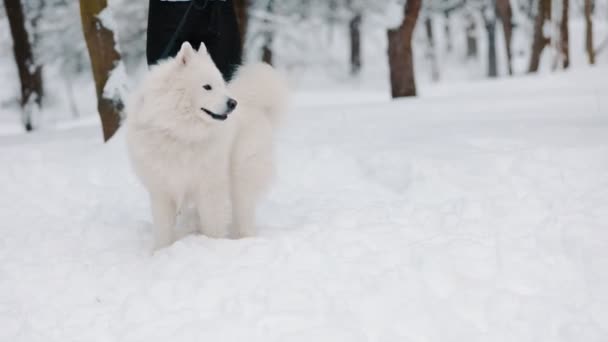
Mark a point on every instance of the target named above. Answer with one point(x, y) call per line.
point(504, 11)
point(401, 65)
point(267, 55)
point(589, 32)
point(400, 55)
point(332, 20)
point(431, 56)
point(489, 12)
point(241, 8)
point(448, 32)
point(539, 40)
point(492, 63)
point(471, 32)
point(564, 35)
point(30, 73)
point(104, 58)
point(38, 10)
point(305, 9)
point(355, 43)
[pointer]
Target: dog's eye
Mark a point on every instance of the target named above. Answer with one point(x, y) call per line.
point(207, 87)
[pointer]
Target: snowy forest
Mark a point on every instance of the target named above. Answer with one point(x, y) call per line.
point(439, 173)
point(343, 41)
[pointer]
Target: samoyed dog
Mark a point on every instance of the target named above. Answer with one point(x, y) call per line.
point(197, 142)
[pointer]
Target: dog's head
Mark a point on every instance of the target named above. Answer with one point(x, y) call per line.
point(204, 83)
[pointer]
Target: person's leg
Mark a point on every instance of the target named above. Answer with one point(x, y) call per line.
point(163, 19)
point(223, 38)
point(213, 22)
point(216, 25)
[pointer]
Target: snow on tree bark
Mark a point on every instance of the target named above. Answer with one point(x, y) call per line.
point(30, 73)
point(267, 55)
point(401, 61)
point(430, 48)
point(471, 33)
point(539, 40)
point(105, 62)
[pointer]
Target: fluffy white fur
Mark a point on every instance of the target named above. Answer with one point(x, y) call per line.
point(185, 157)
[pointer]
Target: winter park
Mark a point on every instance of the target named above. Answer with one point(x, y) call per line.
point(398, 170)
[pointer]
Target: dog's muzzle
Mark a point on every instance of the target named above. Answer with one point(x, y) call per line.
point(220, 117)
point(231, 105)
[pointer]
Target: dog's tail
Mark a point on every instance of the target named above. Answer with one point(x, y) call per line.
point(260, 86)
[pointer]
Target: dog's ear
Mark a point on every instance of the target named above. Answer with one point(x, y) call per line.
point(202, 49)
point(185, 54)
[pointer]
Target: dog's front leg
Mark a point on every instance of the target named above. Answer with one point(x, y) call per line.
point(215, 209)
point(243, 207)
point(164, 213)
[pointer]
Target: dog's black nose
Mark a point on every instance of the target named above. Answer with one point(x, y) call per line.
point(231, 104)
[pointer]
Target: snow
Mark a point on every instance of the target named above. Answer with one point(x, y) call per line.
point(478, 212)
point(107, 20)
point(117, 86)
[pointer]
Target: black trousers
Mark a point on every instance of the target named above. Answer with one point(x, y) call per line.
point(212, 22)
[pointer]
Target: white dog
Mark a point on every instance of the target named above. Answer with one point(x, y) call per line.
point(196, 141)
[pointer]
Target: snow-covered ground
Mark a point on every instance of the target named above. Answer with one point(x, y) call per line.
point(478, 212)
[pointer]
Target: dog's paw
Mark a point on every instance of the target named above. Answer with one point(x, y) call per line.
point(163, 242)
point(215, 231)
point(215, 222)
point(243, 232)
